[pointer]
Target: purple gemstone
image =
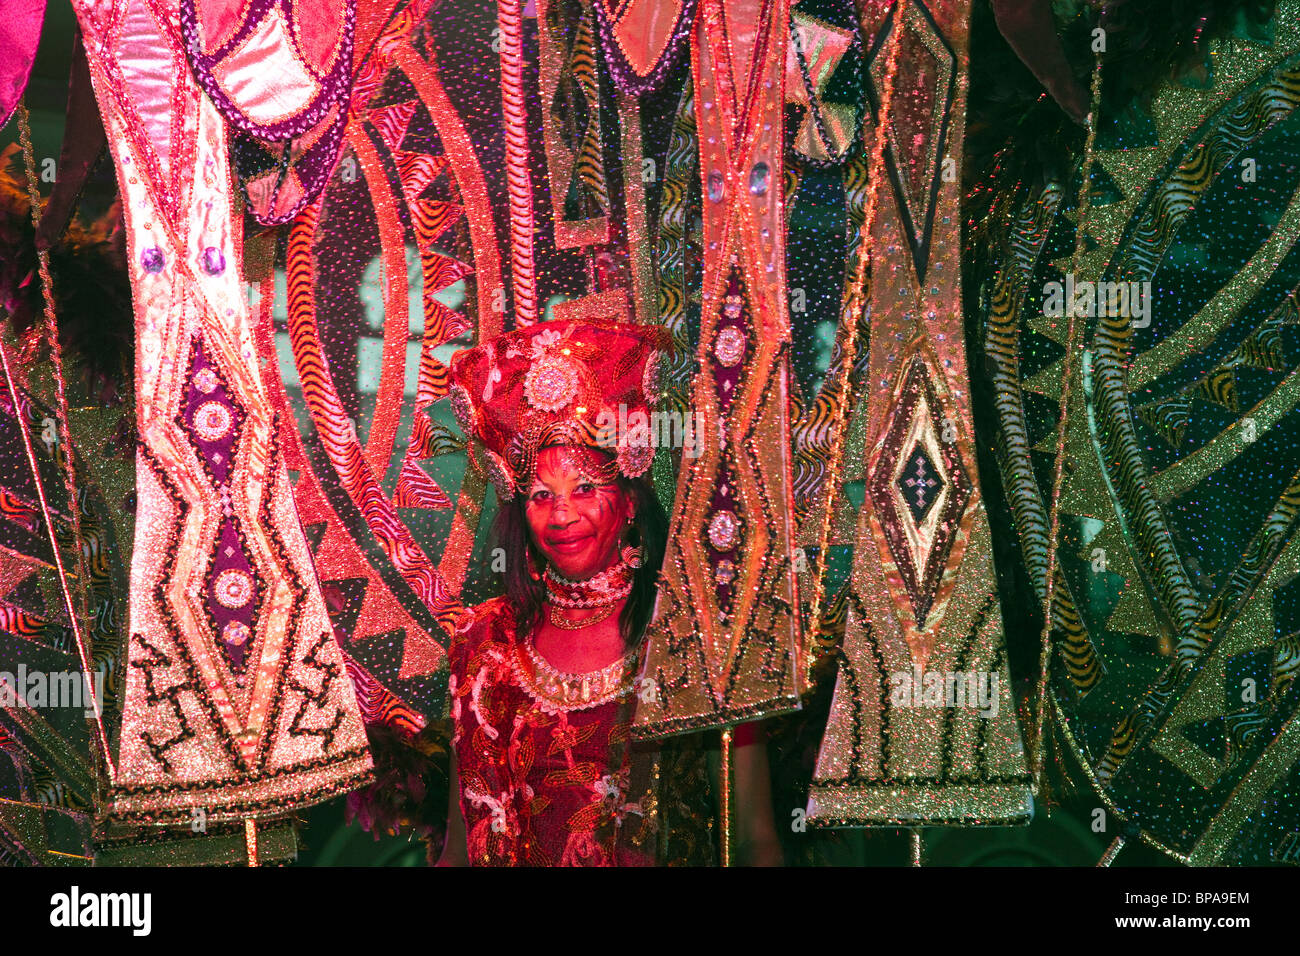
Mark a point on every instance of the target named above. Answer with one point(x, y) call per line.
point(716, 186)
point(152, 260)
point(214, 262)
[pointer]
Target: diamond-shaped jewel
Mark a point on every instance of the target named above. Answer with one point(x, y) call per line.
point(920, 490)
point(236, 633)
point(214, 261)
point(152, 260)
point(920, 483)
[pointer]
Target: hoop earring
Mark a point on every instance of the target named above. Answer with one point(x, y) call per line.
point(633, 557)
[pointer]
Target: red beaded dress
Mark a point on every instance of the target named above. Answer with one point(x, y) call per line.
point(548, 774)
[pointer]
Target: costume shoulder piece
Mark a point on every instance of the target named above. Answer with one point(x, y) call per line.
point(489, 622)
point(489, 612)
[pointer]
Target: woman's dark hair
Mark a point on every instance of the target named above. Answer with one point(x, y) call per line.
point(649, 531)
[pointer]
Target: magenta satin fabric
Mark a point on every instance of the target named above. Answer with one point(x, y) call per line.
point(20, 32)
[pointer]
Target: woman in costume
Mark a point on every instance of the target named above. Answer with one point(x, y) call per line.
point(544, 678)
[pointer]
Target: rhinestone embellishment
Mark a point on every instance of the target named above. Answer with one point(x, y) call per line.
point(152, 261)
point(212, 421)
point(716, 187)
point(729, 346)
point(733, 306)
point(635, 459)
point(236, 634)
point(205, 380)
point(724, 530)
point(551, 383)
point(233, 589)
point(725, 572)
point(214, 261)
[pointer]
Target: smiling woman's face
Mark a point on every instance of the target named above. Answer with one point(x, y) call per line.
point(576, 522)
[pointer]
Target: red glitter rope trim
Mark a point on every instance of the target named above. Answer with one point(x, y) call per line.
point(519, 184)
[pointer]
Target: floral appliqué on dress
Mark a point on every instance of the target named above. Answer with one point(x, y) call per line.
point(541, 785)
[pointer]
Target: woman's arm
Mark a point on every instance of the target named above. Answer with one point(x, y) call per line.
point(454, 852)
point(753, 826)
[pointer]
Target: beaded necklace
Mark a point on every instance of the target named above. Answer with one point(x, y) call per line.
point(608, 587)
point(558, 691)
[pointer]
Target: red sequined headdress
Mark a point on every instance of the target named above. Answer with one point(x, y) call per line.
point(558, 383)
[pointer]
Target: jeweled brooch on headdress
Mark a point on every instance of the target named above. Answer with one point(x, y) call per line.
point(558, 383)
point(551, 383)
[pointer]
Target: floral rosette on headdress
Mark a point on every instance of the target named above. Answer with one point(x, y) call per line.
point(559, 383)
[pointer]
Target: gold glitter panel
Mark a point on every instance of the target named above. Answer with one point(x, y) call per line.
point(922, 727)
point(725, 644)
